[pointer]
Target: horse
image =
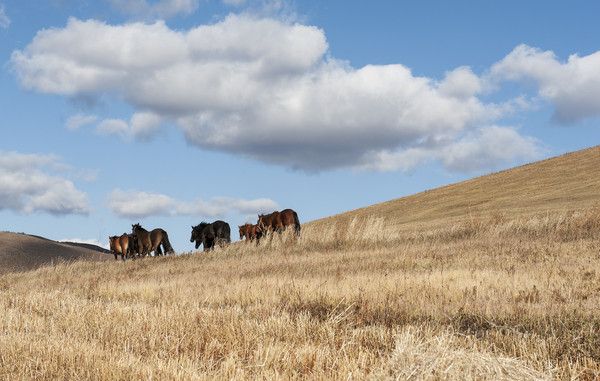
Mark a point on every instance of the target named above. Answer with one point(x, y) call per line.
point(125, 247)
point(115, 246)
point(148, 242)
point(129, 241)
point(250, 232)
point(210, 234)
point(279, 221)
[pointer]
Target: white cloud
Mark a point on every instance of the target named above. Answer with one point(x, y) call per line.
point(573, 87)
point(14, 161)
point(162, 9)
point(134, 204)
point(257, 87)
point(145, 125)
point(483, 149)
point(75, 122)
point(113, 127)
point(403, 160)
point(461, 83)
point(489, 148)
point(28, 184)
point(4, 19)
point(137, 204)
point(142, 126)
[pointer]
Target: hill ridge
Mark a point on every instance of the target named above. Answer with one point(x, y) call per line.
point(24, 252)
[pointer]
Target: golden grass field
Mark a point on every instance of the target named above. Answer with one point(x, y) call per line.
point(496, 278)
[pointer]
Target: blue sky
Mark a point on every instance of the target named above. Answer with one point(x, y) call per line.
point(176, 111)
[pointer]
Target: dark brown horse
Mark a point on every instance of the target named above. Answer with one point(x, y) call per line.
point(148, 242)
point(279, 221)
point(250, 232)
point(132, 245)
point(209, 235)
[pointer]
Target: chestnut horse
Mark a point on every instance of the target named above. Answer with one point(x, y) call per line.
point(148, 242)
point(121, 245)
point(115, 246)
point(279, 221)
point(250, 232)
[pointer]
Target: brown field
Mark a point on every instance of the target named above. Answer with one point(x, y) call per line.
point(496, 278)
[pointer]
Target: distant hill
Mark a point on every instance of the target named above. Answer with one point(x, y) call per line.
point(22, 252)
point(563, 183)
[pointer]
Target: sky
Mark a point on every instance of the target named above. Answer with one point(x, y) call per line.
point(174, 112)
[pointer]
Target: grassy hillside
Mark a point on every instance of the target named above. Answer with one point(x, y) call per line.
point(507, 290)
point(559, 184)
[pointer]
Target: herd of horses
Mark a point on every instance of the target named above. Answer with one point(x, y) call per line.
point(141, 242)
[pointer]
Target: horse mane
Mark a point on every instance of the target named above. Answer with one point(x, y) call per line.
point(139, 226)
point(202, 224)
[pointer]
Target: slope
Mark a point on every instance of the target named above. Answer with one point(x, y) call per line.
point(22, 252)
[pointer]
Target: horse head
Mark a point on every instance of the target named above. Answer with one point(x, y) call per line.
point(197, 233)
point(111, 242)
point(135, 227)
point(262, 222)
point(193, 237)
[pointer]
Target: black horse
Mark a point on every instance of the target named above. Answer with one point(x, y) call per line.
point(209, 235)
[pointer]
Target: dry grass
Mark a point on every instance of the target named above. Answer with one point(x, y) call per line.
point(496, 278)
point(488, 299)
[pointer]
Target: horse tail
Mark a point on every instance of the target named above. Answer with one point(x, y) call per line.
point(166, 244)
point(296, 224)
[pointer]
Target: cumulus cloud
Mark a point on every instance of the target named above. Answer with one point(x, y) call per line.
point(255, 86)
point(573, 87)
point(461, 83)
point(489, 148)
point(4, 20)
point(162, 9)
point(29, 183)
point(486, 148)
point(137, 204)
